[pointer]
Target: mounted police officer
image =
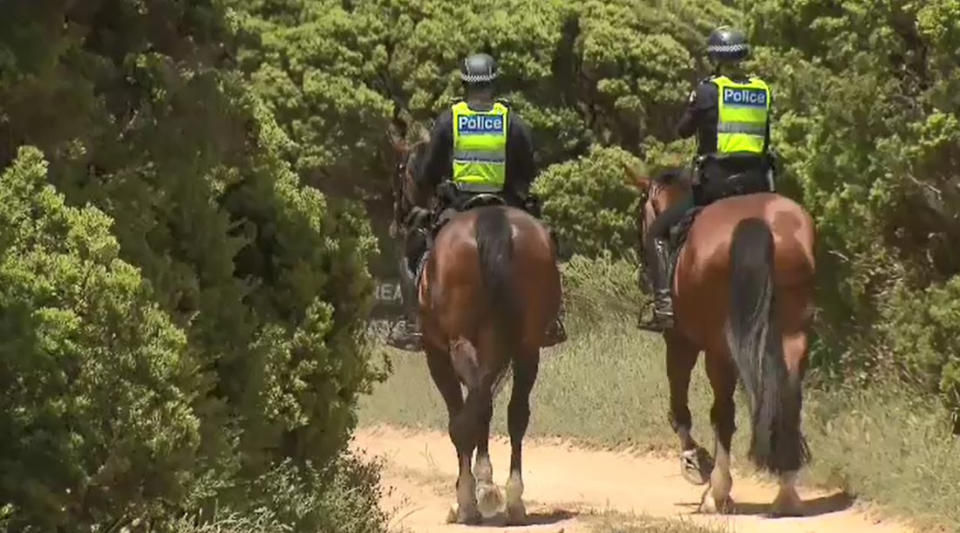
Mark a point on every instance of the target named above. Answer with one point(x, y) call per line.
point(729, 112)
point(478, 145)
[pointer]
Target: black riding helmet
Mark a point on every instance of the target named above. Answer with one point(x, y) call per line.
point(478, 69)
point(727, 45)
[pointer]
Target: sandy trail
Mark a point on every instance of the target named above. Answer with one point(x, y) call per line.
point(566, 487)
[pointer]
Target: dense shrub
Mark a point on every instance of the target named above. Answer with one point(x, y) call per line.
point(94, 401)
point(255, 287)
point(590, 202)
point(602, 288)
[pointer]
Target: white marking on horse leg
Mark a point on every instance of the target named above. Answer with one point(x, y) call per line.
point(489, 498)
point(483, 469)
point(716, 498)
point(720, 478)
point(516, 512)
point(466, 511)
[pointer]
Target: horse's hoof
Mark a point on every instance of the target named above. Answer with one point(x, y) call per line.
point(489, 500)
point(787, 503)
point(516, 515)
point(469, 517)
point(711, 505)
point(696, 465)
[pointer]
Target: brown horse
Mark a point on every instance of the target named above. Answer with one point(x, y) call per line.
point(488, 291)
point(742, 294)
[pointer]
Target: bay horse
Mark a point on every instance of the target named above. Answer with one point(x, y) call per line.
point(743, 294)
point(488, 291)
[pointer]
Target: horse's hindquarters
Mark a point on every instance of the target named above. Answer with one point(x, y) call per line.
point(455, 298)
point(702, 280)
point(538, 278)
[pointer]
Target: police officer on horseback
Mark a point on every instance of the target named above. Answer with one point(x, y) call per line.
point(729, 112)
point(477, 146)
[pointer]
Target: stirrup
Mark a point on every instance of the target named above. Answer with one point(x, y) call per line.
point(410, 339)
point(556, 334)
point(656, 325)
point(658, 322)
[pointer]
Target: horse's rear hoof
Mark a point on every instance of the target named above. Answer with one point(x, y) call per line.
point(787, 503)
point(555, 334)
point(516, 515)
point(489, 500)
point(709, 505)
point(696, 465)
point(469, 517)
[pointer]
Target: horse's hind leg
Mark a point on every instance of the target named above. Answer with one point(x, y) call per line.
point(525, 370)
point(723, 380)
point(695, 462)
point(444, 377)
point(489, 498)
point(788, 502)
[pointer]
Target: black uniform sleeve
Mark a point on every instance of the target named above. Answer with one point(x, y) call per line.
point(766, 140)
point(521, 168)
point(701, 99)
point(438, 158)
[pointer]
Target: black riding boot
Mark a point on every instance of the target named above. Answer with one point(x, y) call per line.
point(658, 273)
point(556, 332)
point(406, 334)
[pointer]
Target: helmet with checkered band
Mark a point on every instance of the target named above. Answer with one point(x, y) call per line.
point(727, 45)
point(478, 69)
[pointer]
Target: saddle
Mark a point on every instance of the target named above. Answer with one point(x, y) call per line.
point(746, 177)
point(722, 176)
point(450, 203)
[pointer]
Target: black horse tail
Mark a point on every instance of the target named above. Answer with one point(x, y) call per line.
point(494, 236)
point(753, 336)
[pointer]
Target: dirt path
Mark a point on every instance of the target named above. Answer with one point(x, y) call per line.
point(567, 487)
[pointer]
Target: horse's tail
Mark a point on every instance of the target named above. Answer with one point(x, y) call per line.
point(503, 308)
point(755, 343)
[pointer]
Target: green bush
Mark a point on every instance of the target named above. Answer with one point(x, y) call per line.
point(342, 496)
point(591, 203)
point(139, 112)
point(602, 288)
point(94, 397)
point(923, 327)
